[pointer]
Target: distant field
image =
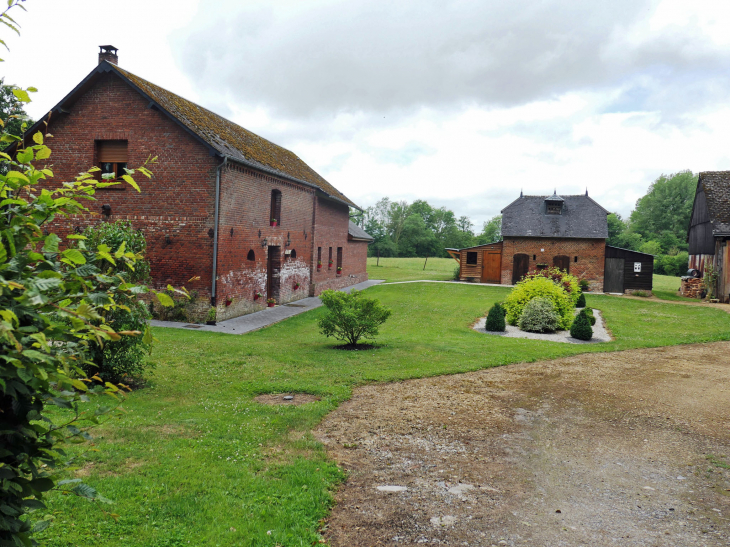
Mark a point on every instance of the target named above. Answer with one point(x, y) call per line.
point(411, 269)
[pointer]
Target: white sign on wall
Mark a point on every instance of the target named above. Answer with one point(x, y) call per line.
point(637, 266)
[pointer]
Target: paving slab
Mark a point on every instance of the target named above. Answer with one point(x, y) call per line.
point(263, 318)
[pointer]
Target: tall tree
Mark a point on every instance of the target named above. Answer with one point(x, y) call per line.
point(12, 111)
point(667, 206)
point(491, 231)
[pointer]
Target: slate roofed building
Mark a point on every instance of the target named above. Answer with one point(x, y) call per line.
point(568, 232)
point(246, 216)
point(709, 229)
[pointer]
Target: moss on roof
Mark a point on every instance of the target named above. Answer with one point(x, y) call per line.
point(233, 140)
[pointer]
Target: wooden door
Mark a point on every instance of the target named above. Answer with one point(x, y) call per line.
point(491, 266)
point(520, 267)
point(272, 273)
point(613, 276)
point(562, 262)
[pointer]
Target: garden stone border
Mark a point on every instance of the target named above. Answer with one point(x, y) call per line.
point(600, 334)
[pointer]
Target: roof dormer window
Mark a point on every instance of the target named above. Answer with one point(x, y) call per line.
point(554, 204)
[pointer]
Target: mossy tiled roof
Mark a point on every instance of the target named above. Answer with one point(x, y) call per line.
point(232, 140)
point(716, 185)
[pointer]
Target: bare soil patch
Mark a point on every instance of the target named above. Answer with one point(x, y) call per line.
point(283, 398)
point(356, 347)
point(599, 449)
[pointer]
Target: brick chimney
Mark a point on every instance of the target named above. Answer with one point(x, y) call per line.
point(108, 53)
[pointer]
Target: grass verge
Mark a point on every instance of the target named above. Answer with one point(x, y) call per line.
point(195, 461)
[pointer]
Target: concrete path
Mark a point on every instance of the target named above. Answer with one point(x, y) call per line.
point(263, 318)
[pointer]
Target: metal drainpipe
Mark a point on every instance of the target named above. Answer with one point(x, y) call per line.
point(215, 228)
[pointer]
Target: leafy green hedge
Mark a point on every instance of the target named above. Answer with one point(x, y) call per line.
point(539, 287)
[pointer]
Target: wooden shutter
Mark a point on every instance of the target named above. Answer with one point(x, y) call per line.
point(112, 151)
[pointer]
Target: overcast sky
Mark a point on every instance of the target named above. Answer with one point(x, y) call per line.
point(461, 103)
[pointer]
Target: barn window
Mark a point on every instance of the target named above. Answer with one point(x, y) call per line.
point(319, 255)
point(534, 257)
point(329, 264)
point(471, 257)
point(275, 215)
point(251, 255)
point(339, 258)
point(112, 157)
point(575, 259)
point(554, 208)
point(293, 254)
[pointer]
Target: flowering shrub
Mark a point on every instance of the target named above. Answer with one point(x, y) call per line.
point(534, 287)
point(540, 316)
point(569, 283)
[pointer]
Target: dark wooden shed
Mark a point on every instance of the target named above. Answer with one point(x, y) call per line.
point(627, 271)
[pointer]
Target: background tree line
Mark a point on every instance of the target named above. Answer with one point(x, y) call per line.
point(657, 225)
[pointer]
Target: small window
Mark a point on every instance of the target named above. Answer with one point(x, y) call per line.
point(339, 258)
point(554, 208)
point(275, 215)
point(329, 264)
point(471, 257)
point(293, 254)
point(112, 157)
point(319, 255)
point(251, 255)
point(575, 259)
point(534, 257)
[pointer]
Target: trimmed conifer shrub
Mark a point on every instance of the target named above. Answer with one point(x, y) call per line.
point(581, 301)
point(589, 314)
point(581, 328)
point(540, 316)
point(495, 318)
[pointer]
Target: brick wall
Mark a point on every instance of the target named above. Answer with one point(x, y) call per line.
point(590, 253)
point(330, 231)
point(175, 207)
point(243, 225)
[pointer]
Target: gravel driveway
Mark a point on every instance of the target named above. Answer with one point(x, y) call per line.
point(624, 449)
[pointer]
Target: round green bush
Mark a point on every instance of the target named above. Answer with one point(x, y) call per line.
point(569, 283)
point(581, 328)
point(589, 314)
point(495, 318)
point(581, 301)
point(536, 287)
point(540, 316)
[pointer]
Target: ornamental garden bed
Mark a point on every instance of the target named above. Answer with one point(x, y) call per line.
point(600, 334)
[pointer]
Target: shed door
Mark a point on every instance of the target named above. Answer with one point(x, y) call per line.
point(272, 273)
point(520, 267)
point(562, 262)
point(491, 265)
point(613, 279)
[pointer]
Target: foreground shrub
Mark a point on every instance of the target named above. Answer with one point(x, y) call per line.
point(125, 358)
point(540, 316)
point(583, 285)
point(534, 288)
point(581, 328)
point(581, 301)
point(495, 318)
point(352, 316)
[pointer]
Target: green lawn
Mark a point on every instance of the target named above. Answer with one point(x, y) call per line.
point(196, 461)
point(410, 269)
point(666, 287)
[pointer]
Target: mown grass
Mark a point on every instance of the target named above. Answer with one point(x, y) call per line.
point(411, 269)
point(666, 287)
point(196, 461)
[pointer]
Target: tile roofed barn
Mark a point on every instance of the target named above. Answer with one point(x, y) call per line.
point(228, 214)
point(716, 185)
point(580, 217)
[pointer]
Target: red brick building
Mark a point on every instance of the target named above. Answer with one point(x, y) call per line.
point(243, 214)
point(568, 232)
